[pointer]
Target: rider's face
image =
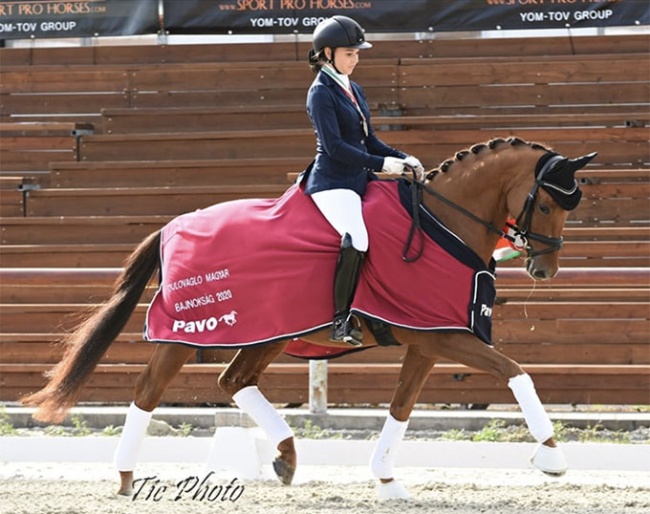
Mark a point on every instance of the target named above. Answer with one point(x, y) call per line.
point(345, 59)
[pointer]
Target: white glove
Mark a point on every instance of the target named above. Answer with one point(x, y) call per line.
point(414, 163)
point(393, 165)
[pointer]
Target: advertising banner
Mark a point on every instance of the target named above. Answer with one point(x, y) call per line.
point(21, 19)
point(537, 14)
point(301, 16)
point(26, 19)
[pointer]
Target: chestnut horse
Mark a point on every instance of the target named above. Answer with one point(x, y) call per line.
point(472, 195)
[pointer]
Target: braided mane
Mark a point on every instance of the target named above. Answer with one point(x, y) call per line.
point(477, 148)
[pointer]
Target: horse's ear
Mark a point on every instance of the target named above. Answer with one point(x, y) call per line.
point(560, 182)
point(581, 162)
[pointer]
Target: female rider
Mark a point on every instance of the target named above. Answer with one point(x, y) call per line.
point(347, 154)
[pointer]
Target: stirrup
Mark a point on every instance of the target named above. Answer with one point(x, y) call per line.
point(344, 330)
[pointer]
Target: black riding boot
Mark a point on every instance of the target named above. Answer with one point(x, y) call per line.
point(348, 269)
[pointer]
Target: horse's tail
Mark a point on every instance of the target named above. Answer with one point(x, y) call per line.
point(90, 340)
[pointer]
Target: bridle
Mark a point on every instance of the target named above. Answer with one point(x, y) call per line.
point(525, 218)
point(521, 228)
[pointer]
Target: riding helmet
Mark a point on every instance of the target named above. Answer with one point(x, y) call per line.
point(339, 31)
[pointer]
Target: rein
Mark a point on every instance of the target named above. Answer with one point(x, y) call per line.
point(521, 231)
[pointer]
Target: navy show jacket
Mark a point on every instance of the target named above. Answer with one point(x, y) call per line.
point(345, 156)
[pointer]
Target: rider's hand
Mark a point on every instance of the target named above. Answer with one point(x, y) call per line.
point(393, 165)
point(414, 163)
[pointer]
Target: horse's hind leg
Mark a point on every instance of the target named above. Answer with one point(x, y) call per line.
point(469, 350)
point(163, 366)
point(240, 380)
point(414, 373)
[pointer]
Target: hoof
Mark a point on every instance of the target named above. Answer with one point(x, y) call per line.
point(284, 471)
point(126, 483)
point(550, 461)
point(392, 490)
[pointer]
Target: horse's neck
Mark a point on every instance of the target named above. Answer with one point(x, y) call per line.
point(478, 186)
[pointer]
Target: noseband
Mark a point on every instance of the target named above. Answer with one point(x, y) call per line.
point(521, 228)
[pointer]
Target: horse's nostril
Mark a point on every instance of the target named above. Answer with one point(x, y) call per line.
point(540, 274)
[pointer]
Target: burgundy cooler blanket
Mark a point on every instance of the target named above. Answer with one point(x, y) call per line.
point(249, 272)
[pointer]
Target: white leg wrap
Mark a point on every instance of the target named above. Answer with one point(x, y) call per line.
point(135, 428)
point(537, 419)
point(385, 453)
point(252, 402)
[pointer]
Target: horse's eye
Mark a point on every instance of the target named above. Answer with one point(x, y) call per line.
point(544, 209)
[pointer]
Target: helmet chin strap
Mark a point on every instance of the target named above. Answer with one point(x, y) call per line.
point(335, 68)
point(331, 61)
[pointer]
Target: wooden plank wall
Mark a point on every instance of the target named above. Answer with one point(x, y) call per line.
point(102, 145)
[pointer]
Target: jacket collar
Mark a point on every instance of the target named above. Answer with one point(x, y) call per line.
point(328, 81)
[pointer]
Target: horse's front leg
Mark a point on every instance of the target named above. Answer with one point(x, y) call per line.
point(469, 350)
point(239, 380)
point(163, 366)
point(415, 370)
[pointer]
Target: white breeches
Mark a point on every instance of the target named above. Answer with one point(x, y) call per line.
point(342, 208)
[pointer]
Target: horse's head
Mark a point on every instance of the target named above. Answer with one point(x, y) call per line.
point(492, 181)
point(546, 206)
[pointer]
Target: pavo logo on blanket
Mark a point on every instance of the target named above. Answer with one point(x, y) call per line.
point(204, 325)
point(229, 319)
